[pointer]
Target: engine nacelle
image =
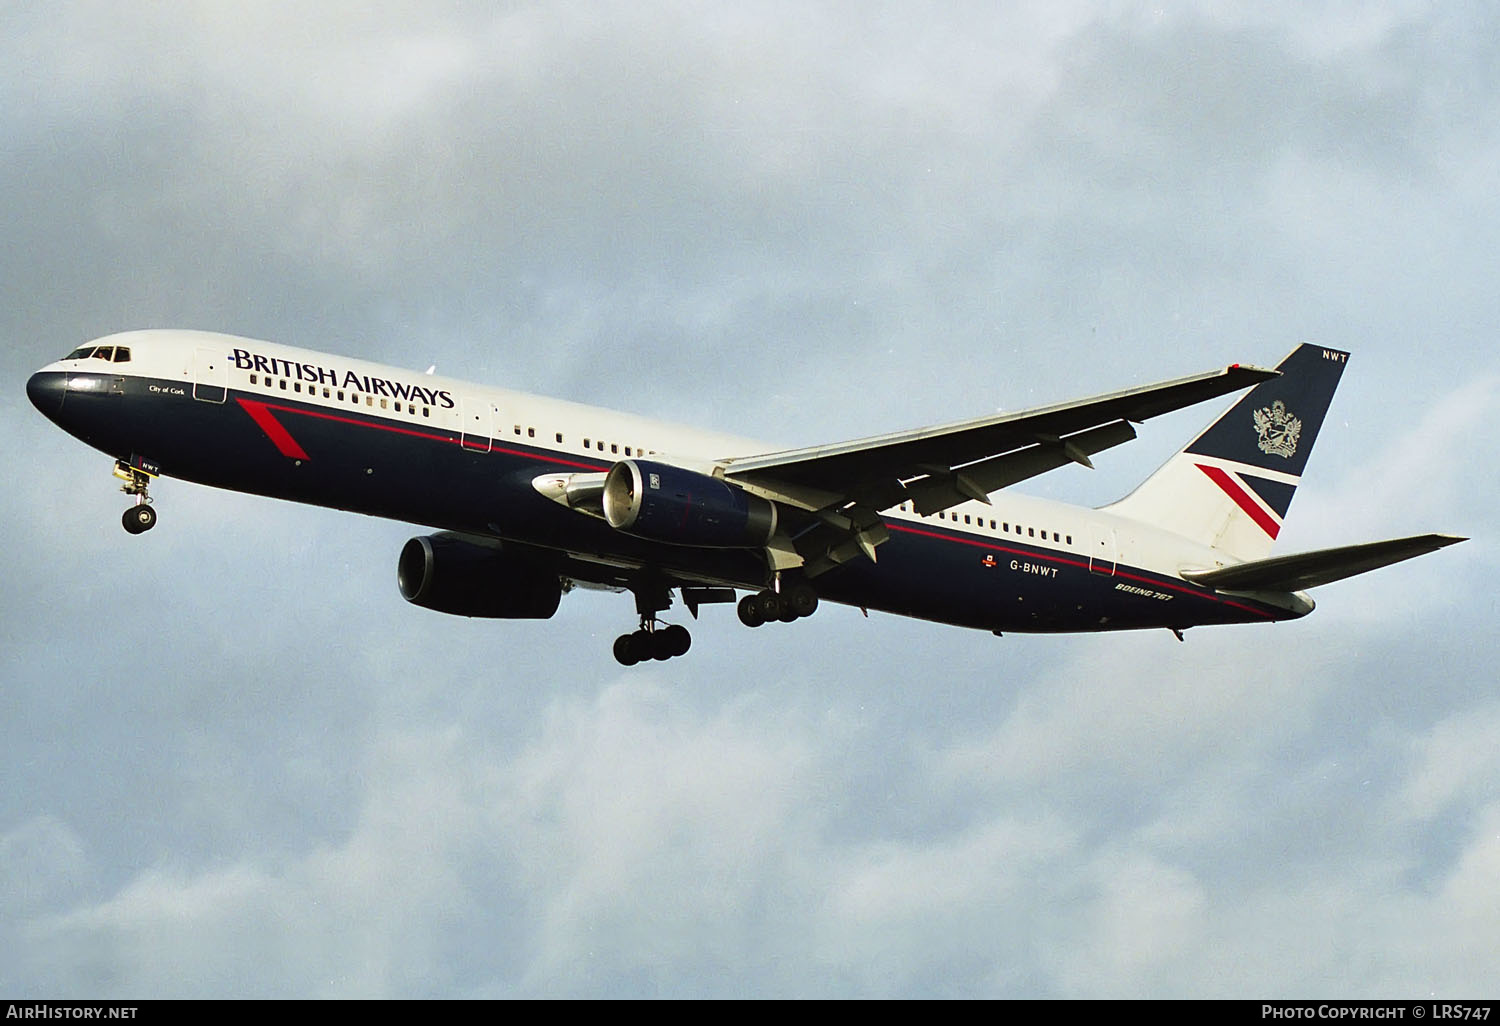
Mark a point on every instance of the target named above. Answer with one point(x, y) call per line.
point(683, 507)
point(451, 575)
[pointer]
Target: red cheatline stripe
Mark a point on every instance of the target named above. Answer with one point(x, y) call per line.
point(495, 449)
point(1242, 498)
point(279, 436)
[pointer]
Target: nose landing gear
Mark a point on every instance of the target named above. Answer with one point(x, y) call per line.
point(140, 517)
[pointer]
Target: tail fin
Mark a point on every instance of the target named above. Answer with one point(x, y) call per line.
point(1230, 488)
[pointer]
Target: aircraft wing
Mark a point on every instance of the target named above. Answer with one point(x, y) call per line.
point(1304, 570)
point(938, 467)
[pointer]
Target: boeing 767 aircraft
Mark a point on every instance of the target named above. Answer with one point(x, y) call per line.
point(530, 496)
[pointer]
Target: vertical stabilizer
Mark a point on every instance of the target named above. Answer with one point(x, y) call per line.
point(1232, 485)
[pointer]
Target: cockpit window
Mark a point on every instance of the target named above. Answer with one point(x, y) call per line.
point(109, 354)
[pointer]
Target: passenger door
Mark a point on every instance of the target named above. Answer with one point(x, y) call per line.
point(1102, 549)
point(210, 376)
point(478, 424)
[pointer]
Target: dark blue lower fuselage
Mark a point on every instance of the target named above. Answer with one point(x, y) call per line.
point(277, 444)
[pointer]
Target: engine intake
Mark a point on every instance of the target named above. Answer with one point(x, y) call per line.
point(664, 503)
point(450, 575)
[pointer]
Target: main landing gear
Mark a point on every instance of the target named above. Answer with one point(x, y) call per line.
point(795, 599)
point(791, 603)
point(654, 639)
point(140, 517)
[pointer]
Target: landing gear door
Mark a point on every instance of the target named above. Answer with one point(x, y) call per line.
point(477, 424)
point(210, 376)
point(1102, 549)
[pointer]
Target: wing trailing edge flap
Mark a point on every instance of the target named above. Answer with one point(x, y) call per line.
point(1303, 570)
point(942, 488)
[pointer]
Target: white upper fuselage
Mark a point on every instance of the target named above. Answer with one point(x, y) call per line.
point(415, 400)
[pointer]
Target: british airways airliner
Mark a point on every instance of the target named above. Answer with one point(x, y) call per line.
point(531, 496)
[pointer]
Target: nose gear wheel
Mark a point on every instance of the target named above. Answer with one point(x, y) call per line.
point(140, 517)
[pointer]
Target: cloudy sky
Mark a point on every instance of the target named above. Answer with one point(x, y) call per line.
point(236, 763)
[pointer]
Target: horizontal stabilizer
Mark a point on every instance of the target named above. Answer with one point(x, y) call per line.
point(1305, 570)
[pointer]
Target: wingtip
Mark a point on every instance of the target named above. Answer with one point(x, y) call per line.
point(1258, 372)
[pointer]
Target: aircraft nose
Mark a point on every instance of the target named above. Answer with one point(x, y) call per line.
point(45, 390)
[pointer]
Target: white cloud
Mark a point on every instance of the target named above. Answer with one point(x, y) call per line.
point(42, 865)
point(1455, 760)
point(1142, 919)
point(1414, 472)
point(1140, 707)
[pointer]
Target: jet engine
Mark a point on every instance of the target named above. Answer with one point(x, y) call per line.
point(452, 575)
point(664, 503)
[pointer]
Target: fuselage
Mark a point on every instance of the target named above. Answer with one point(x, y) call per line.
point(311, 427)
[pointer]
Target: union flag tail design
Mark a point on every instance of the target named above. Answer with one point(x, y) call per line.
point(1230, 488)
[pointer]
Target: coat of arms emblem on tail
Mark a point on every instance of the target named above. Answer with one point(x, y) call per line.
point(1278, 430)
